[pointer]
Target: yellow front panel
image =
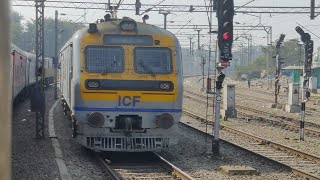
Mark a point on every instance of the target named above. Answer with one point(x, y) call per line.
point(128, 74)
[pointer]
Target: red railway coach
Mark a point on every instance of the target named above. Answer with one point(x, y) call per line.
point(23, 72)
point(19, 72)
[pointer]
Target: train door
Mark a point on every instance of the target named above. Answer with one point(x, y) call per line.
point(71, 71)
point(13, 74)
point(28, 71)
point(24, 70)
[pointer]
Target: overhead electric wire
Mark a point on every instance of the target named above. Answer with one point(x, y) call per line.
point(183, 26)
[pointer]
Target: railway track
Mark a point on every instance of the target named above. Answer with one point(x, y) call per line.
point(300, 163)
point(285, 122)
point(145, 165)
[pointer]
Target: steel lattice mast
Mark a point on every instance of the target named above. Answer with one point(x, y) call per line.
point(38, 98)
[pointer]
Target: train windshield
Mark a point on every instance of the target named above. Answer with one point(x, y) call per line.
point(104, 59)
point(150, 60)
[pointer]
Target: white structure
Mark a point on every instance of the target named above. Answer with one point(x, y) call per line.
point(229, 102)
point(313, 84)
point(293, 98)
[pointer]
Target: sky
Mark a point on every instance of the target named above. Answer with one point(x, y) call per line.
point(281, 23)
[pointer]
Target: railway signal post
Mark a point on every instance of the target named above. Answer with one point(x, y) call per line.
point(308, 45)
point(278, 68)
point(225, 13)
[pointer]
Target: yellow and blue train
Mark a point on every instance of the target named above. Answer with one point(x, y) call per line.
point(122, 85)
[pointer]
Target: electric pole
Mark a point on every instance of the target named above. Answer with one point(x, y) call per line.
point(165, 14)
point(55, 59)
point(198, 31)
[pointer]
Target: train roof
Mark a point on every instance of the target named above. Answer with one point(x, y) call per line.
point(16, 48)
point(113, 27)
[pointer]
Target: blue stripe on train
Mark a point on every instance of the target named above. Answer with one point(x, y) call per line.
point(127, 109)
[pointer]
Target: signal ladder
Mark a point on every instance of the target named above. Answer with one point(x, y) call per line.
point(209, 105)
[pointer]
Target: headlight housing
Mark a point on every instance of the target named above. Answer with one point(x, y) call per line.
point(128, 25)
point(164, 121)
point(93, 84)
point(96, 120)
point(166, 86)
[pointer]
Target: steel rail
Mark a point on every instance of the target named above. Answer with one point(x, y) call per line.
point(113, 175)
point(174, 171)
point(275, 146)
point(280, 123)
point(311, 124)
point(284, 125)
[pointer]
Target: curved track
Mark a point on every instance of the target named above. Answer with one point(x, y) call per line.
point(146, 165)
point(302, 164)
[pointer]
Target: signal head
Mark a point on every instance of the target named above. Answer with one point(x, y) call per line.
point(226, 36)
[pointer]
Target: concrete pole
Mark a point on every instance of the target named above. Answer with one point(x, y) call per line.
point(249, 51)
point(267, 71)
point(216, 130)
point(5, 95)
point(165, 14)
point(216, 109)
point(190, 38)
point(56, 56)
point(198, 30)
point(165, 21)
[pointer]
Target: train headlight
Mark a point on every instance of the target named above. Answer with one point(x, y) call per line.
point(128, 25)
point(93, 84)
point(164, 120)
point(165, 86)
point(96, 120)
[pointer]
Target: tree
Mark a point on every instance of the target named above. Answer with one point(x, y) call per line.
point(24, 36)
point(290, 51)
point(16, 29)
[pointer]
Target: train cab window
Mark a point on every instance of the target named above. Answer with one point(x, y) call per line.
point(152, 60)
point(104, 59)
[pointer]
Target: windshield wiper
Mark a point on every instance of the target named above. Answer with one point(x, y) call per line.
point(112, 63)
point(147, 68)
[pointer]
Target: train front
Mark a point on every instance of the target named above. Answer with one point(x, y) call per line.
point(130, 87)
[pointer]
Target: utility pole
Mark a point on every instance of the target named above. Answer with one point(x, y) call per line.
point(198, 31)
point(249, 51)
point(165, 14)
point(267, 70)
point(190, 38)
point(203, 63)
point(312, 9)
point(308, 43)
point(55, 59)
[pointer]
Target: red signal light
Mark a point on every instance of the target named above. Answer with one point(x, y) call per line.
point(226, 36)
